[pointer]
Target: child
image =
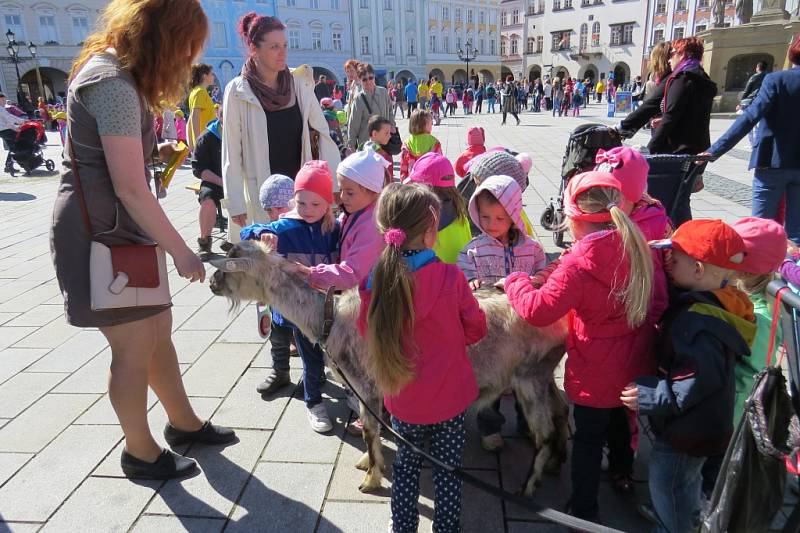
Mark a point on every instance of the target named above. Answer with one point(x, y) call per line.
point(180, 126)
point(476, 145)
point(334, 128)
point(435, 170)
point(308, 233)
point(420, 126)
point(207, 166)
point(605, 284)
point(417, 332)
point(436, 108)
point(276, 199)
point(690, 400)
point(380, 132)
point(466, 101)
point(501, 249)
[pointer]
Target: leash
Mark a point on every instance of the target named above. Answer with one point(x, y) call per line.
point(547, 513)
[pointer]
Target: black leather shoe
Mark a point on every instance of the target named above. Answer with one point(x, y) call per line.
point(169, 465)
point(208, 434)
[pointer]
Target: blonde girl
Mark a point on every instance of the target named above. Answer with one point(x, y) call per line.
point(420, 142)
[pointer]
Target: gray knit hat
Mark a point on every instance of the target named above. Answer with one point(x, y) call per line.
point(498, 164)
point(277, 191)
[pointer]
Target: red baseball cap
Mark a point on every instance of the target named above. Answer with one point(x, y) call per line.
point(710, 241)
point(432, 169)
point(315, 176)
point(765, 241)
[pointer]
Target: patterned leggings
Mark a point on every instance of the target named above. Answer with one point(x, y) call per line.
point(447, 444)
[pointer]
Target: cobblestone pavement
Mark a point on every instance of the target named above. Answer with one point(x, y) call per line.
point(60, 443)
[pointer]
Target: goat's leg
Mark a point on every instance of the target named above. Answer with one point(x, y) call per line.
point(372, 460)
point(532, 396)
point(560, 412)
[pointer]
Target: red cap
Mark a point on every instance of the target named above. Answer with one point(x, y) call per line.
point(710, 241)
point(315, 176)
point(583, 182)
point(475, 136)
point(765, 241)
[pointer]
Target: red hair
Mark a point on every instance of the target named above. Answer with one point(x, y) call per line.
point(351, 63)
point(794, 51)
point(689, 47)
point(253, 27)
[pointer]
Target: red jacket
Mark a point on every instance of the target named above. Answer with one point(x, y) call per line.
point(603, 353)
point(447, 319)
point(467, 155)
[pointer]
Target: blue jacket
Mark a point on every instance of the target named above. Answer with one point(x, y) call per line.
point(775, 109)
point(298, 241)
point(411, 91)
point(690, 401)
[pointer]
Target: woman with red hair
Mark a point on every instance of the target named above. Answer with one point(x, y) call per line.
point(775, 156)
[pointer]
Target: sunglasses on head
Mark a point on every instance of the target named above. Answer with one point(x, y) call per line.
point(370, 78)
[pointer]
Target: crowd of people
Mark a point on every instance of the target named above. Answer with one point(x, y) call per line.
point(666, 320)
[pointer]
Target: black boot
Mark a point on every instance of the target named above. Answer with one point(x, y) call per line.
point(204, 245)
point(207, 434)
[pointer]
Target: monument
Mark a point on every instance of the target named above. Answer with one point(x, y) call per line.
point(731, 53)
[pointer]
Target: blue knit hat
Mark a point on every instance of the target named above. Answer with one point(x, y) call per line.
point(277, 191)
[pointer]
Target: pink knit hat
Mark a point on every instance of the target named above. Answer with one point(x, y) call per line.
point(476, 136)
point(765, 243)
point(432, 169)
point(581, 183)
point(628, 166)
point(315, 176)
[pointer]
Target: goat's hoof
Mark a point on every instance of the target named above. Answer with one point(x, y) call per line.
point(530, 488)
point(371, 483)
point(363, 463)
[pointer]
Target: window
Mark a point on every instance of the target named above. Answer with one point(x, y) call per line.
point(491, 47)
point(539, 44)
point(364, 4)
point(458, 43)
point(482, 17)
point(561, 40)
point(80, 28)
point(531, 45)
point(658, 36)
point(697, 29)
point(677, 33)
point(336, 38)
point(504, 18)
point(515, 17)
point(458, 14)
point(14, 23)
point(291, 3)
point(47, 29)
point(680, 5)
point(388, 45)
point(514, 46)
point(702, 4)
point(412, 50)
point(446, 44)
point(409, 5)
point(627, 33)
point(316, 40)
point(445, 13)
point(387, 4)
point(556, 5)
point(220, 35)
point(482, 46)
point(335, 5)
point(541, 6)
point(503, 49)
point(470, 18)
point(621, 34)
point(584, 2)
point(567, 4)
point(365, 45)
point(661, 7)
point(583, 41)
point(313, 4)
point(596, 34)
point(432, 43)
point(294, 39)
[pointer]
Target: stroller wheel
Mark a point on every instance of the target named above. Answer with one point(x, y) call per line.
point(548, 217)
point(50, 165)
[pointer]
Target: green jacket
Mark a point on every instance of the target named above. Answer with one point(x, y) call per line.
point(451, 240)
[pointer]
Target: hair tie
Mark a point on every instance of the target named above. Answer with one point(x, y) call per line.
point(394, 237)
point(610, 205)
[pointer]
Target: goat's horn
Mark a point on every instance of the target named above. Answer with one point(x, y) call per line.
point(233, 264)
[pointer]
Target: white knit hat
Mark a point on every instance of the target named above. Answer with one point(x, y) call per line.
point(367, 168)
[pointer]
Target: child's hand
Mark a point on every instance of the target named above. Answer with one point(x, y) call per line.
point(302, 270)
point(474, 284)
point(501, 284)
point(270, 239)
point(630, 397)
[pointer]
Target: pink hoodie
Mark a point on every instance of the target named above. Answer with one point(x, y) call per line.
point(360, 245)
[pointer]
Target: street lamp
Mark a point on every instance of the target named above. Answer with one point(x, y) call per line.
point(13, 52)
point(32, 49)
point(467, 54)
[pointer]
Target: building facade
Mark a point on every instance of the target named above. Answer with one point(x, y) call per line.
point(466, 25)
point(58, 29)
point(595, 39)
point(514, 35)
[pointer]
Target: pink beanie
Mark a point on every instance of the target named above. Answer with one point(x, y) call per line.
point(432, 169)
point(315, 176)
point(765, 244)
point(476, 136)
point(628, 166)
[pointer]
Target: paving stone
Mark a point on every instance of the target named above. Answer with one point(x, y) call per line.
point(160, 524)
point(126, 498)
point(243, 328)
point(40, 423)
point(531, 527)
point(9, 464)
point(19, 527)
point(32, 297)
point(347, 478)
point(216, 372)
point(7, 317)
point(225, 472)
point(73, 353)
point(15, 360)
point(282, 497)
point(25, 388)
point(190, 345)
point(9, 336)
point(355, 517)
point(180, 314)
point(46, 481)
point(213, 315)
point(194, 295)
point(91, 377)
point(38, 316)
point(245, 408)
point(295, 441)
point(264, 359)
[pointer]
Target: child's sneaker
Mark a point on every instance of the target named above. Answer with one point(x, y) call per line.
point(492, 443)
point(319, 419)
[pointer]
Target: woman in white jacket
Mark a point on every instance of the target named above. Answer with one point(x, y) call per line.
point(271, 122)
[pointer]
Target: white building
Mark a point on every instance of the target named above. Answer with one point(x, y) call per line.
point(585, 38)
point(455, 25)
point(58, 29)
point(514, 32)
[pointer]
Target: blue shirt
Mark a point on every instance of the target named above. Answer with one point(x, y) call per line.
point(411, 92)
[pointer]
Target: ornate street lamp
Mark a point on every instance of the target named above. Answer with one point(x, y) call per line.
point(13, 52)
point(32, 49)
point(467, 54)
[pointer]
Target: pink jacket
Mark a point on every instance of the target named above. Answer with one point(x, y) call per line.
point(360, 244)
point(447, 319)
point(180, 127)
point(603, 353)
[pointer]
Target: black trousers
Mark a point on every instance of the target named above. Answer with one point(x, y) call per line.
point(513, 114)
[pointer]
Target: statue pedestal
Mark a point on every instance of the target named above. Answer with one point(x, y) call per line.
point(731, 54)
point(770, 15)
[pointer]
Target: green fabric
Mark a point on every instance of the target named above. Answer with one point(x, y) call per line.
point(421, 143)
point(451, 240)
point(748, 367)
point(745, 328)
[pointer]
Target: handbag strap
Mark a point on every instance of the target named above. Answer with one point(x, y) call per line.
point(78, 187)
point(773, 331)
point(366, 103)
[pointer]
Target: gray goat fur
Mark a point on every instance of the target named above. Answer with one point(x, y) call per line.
point(513, 355)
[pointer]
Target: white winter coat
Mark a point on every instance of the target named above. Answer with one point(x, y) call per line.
point(245, 147)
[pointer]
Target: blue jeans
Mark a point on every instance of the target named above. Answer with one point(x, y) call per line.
point(490, 103)
point(313, 368)
point(769, 186)
point(556, 106)
point(675, 482)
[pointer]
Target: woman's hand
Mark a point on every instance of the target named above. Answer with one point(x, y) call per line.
point(167, 150)
point(189, 265)
point(270, 239)
point(475, 284)
point(240, 220)
point(630, 397)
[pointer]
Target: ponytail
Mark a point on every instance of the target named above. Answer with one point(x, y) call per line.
point(640, 279)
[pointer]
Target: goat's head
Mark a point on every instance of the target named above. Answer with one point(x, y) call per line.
point(241, 275)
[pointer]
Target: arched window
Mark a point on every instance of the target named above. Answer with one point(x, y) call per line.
point(584, 36)
point(596, 34)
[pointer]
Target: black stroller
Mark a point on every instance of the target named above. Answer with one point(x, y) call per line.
point(26, 149)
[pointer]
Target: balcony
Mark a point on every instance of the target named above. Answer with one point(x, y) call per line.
point(586, 51)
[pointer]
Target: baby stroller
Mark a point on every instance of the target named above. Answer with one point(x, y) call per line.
point(583, 144)
point(26, 148)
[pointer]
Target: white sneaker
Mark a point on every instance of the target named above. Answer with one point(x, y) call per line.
point(319, 419)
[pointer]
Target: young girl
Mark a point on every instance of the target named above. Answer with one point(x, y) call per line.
point(435, 170)
point(180, 126)
point(310, 234)
point(436, 108)
point(420, 142)
point(417, 331)
point(605, 283)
